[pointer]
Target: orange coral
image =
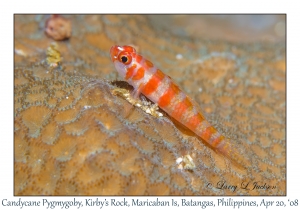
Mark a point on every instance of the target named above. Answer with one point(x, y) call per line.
point(34, 119)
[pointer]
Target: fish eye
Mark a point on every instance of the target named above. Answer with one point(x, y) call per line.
point(125, 58)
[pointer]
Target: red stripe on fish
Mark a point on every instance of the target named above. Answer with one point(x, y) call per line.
point(139, 74)
point(167, 96)
point(130, 71)
point(153, 82)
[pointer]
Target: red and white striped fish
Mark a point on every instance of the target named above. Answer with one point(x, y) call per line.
point(160, 89)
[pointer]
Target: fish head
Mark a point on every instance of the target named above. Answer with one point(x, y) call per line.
point(122, 57)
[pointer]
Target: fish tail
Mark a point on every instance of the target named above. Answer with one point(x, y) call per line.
point(216, 140)
point(229, 151)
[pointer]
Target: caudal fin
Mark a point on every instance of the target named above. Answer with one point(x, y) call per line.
point(229, 151)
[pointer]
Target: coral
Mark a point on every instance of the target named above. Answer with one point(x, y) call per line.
point(73, 136)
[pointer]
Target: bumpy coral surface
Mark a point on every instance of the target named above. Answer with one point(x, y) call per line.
point(72, 136)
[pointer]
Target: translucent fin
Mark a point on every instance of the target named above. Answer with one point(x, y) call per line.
point(137, 91)
point(226, 149)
